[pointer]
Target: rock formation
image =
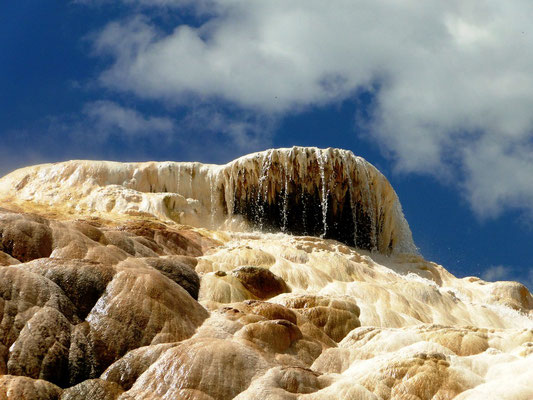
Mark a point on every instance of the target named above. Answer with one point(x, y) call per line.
point(304, 191)
point(190, 281)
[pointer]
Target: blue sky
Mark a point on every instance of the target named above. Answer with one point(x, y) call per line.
point(438, 96)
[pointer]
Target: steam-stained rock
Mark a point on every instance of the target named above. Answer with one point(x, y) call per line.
point(270, 311)
point(162, 240)
point(6, 259)
point(284, 383)
point(424, 376)
point(222, 288)
point(512, 294)
point(22, 295)
point(91, 230)
point(82, 361)
point(273, 335)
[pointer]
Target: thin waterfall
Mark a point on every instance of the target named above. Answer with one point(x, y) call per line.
point(262, 193)
point(324, 191)
point(347, 169)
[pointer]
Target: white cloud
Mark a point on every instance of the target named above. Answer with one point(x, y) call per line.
point(499, 174)
point(108, 117)
point(454, 78)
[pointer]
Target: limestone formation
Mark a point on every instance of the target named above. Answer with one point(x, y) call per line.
point(203, 282)
point(306, 191)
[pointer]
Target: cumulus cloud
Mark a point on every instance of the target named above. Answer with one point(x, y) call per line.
point(452, 80)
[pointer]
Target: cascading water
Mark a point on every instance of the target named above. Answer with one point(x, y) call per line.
point(327, 193)
point(324, 190)
point(213, 194)
point(190, 181)
point(370, 206)
point(285, 214)
point(178, 179)
point(262, 192)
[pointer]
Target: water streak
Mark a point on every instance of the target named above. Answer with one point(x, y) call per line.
point(285, 216)
point(191, 171)
point(262, 192)
point(325, 191)
point(369, 205)
point(213, 190)
point(348, 167)
point(178, 180)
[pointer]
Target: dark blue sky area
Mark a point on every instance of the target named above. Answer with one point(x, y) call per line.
point(48, 75)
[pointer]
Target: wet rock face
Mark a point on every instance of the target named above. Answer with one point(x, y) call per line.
point(327, 193)
point(299, 212)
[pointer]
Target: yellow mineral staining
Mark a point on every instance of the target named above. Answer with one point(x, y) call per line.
point(512, 294)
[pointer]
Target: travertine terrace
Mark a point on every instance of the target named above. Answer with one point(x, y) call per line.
point(328, 193)
point(286, 274)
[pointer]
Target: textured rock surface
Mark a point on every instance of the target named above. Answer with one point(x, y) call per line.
point(21, 387)
point(104, 296)
point(261, 282)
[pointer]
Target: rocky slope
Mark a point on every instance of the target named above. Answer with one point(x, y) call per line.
point(190, 281)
